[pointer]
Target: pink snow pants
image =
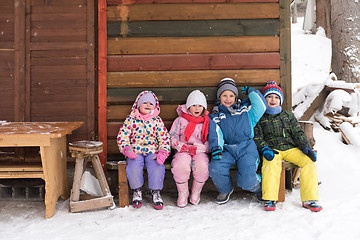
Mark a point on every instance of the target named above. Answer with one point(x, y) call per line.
point(183, 163)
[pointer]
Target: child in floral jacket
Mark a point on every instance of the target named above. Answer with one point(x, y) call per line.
point(278, 136)
point(189, 134)
point(144, 140)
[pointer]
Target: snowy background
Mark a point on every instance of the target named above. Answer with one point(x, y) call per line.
point(242, 217)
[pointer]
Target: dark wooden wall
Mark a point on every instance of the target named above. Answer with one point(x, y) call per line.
point(47, 62)
point(172, 47)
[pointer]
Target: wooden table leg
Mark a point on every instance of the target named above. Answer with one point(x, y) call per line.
point(123, 185)
point(53, 160)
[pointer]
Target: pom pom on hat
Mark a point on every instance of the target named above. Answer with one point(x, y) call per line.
point(147, 97)
point(272, 88)
point(227, 84)
point(196, 97)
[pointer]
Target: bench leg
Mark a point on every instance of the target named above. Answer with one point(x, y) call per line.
point(123, 185)
point(281, 196)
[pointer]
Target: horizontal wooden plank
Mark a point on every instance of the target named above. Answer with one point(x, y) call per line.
point(165, 95)
point(13, 175)
point(205, 11)
point(193, 61)
point(64, 83)
point(53, 112)
point(57, 16)
point(196, 28)
point(77, 68)
point(58, 61)
point(79, 9)
point(75, 53)
point(57, 98)
point(69, 24)
point(7, 45)
point(207, 78)
point(128, 2)
point(21, 168)
point(57, 76)
point(59, 3)
point(153, 45)
point(57, 45)
point(59, 91)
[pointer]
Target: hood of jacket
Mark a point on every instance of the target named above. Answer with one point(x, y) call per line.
point(134, 108)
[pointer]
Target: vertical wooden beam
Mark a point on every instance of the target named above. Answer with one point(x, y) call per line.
point(90, 71)
point(19, 55)
point(285, 52)
point(27, 84)
point(102, 71)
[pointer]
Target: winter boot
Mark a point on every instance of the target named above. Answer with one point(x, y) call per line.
point(223, 198)
point(312, 205)
point(183, 194)
point(269, 205)
point(195, 192)
point(137, 198)
point(157, 200)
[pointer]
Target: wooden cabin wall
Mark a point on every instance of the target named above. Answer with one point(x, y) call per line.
point(172, 47)
point(47, 63)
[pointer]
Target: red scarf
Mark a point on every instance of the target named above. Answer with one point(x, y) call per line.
point(189, 130)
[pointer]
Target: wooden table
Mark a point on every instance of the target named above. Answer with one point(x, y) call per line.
point(51, 138)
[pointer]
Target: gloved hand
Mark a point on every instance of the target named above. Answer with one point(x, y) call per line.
point(268, 153)
point(310, 153)
point(184, 149)
point(216, 154)
point(246, 90)
point(202, 147)
point(161, 156)
point(192, 150)
point(128, 152)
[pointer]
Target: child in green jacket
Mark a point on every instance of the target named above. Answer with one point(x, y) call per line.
point(278, 136)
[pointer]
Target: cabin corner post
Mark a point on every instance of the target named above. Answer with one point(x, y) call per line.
point(285, 52)
point(102, 79)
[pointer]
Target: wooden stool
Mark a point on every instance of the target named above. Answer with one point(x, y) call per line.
point(84, 151)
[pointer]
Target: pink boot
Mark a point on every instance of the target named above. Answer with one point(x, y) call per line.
point(183, 194)
point(195, 192)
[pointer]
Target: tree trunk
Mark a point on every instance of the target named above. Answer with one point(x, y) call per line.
point(323, 16)
point(345, 27)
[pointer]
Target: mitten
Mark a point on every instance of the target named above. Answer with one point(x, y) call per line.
point(216, 154)
point(246, 90)
point(268, 153)
point(310, 153)
point(184, 148)
point(192, 150)
point(161, 156)
point(128, 152)
point(201, 147)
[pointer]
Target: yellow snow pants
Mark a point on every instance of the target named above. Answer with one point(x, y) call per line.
point(271, 171)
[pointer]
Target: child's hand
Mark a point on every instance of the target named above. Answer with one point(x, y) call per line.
point(192, 150)
point(246, 90)
point(268, 153)
point(128, 152)
point(216, 154)
point(184, 149)
point(161, 157)
point(310, 153)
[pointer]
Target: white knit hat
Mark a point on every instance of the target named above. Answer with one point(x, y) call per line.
point(196, 97)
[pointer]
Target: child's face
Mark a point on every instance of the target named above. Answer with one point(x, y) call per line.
point(146, 108)
point(227, 98)
point(273, 100)
point(196, 110)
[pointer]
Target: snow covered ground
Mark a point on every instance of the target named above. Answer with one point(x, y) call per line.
point(243, 217)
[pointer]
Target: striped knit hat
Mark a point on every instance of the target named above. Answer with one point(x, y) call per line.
point(227, 84)
point(272, 88)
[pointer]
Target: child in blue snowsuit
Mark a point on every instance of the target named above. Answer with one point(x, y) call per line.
point(231, 141)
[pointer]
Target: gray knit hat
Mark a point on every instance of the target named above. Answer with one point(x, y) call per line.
point(227, 84)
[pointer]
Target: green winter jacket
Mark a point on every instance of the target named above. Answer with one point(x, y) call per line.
point(280, 131)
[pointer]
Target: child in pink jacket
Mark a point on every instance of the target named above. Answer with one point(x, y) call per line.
point(189, 137)
point(145, 141)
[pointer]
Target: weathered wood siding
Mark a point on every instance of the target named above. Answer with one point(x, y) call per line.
point(173, 47)
point(47, 63)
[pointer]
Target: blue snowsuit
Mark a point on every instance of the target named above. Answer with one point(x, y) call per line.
point(232, 131)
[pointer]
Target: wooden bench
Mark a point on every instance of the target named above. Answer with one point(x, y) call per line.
point(51, 138)
point(289, 174)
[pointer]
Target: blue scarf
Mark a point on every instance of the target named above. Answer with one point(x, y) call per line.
point(273, 110)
